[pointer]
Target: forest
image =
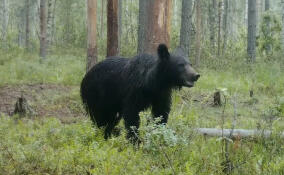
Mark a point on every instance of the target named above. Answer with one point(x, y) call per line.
point(231, 122)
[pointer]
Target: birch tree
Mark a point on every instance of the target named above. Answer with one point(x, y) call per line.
point(92, 33)
point(251, 35)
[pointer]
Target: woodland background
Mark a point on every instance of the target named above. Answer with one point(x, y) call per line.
point(46, 48)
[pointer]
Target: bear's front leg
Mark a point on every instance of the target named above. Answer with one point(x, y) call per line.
point(132, 122)
point(161, 107)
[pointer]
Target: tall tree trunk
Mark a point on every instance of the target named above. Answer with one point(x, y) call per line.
point(232, 17)
point(157, 24)
point(246, 12)
point(258, 15)
point(283, 25)
point(102, 17)
point(198, 32)
point(212, 23)
point(53, 22)
point(176, 11)
point(5, 17)
point(251, 30)
point(225, 24)
point(142, 25)
point(21, 27)
point(42, 29)
point(219, 26)
point(112, 28)
point(49, 21)
point(267, 21)
point(92, 33)
point(267, 5)
point(185, 30)
point(68, 23)
point(27, 41)
point(119, 24)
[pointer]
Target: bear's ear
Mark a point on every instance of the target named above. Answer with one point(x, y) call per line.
point(163, 52)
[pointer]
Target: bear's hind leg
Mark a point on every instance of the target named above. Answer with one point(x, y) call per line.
point(113, 120)
point(132, 122)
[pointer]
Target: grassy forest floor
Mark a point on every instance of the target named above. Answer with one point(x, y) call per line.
point(60, 139)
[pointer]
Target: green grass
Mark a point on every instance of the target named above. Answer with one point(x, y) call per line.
point(23, 68)
point(40, 145)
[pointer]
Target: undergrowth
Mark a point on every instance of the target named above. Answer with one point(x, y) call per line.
point(252, 97)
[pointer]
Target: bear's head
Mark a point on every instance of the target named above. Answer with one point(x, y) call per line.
point(177, 70)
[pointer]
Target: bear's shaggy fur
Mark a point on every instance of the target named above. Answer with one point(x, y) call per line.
point(120, 88)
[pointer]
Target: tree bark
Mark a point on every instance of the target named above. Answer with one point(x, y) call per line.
point(142, 25)
point(246, 12)
point(92, 34)
point(119, 24)
point(42, 29)
point(49, 21)
point(283, 25)
point(267, 21)
point(157, 28)
point(258, 15)
point(68, 23)
point(251, 30)
point(102, 17)
point(185, 30)
point(232, 31)
point(198, 32)
point(21, 28)
point(5, 22)
point(53, 23)
point(27, 39)
point(225, 24)
point(219, 26)
point(267, 5)
point(212, 23)
point(112, 28)
point(176, 10)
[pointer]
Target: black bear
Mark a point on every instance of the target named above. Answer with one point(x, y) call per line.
point(121, 87)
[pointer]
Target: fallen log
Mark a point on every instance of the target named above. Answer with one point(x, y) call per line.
point(242, 133)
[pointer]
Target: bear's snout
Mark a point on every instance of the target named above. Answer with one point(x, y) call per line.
point(196, 77)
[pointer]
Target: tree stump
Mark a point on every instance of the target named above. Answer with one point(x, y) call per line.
point(22, 107)
point(251, 93)
point(217, 99)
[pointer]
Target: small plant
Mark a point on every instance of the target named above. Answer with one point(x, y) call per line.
point(160, 135)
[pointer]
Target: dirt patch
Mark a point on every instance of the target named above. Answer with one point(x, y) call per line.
point(46, 99)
